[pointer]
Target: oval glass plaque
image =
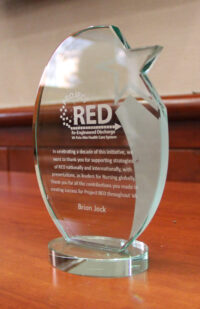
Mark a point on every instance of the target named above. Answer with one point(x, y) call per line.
point(101, 139)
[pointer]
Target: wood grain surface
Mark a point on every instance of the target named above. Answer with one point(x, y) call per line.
point(27, 280)
point(186, 106)
point(16, 138)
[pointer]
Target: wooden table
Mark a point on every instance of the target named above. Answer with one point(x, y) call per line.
point(27, 280)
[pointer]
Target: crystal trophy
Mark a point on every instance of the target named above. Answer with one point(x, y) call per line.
point(101, 151)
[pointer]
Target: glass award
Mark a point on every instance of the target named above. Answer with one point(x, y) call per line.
point(101, 151)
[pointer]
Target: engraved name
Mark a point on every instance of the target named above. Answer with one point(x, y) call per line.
point(101, 209)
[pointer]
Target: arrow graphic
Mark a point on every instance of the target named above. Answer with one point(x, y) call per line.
point(115, 126)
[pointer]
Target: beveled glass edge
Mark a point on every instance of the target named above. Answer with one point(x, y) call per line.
point(37, 168)
point(160, 187)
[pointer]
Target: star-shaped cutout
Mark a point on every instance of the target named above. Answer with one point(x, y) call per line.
point(129, 68)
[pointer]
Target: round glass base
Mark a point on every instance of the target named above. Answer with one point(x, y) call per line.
point(81, 260)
